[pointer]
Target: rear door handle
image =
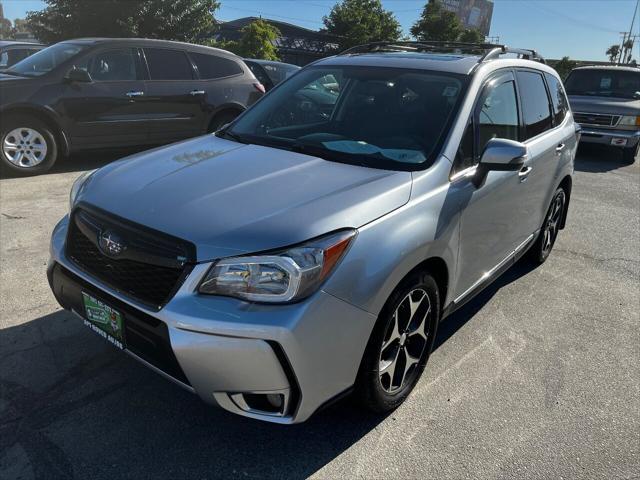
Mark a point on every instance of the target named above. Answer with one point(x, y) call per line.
point(133, 94)
point(524, 173)
point(193, 93)
point(560, 147)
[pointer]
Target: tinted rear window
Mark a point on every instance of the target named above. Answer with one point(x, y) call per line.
point(535, 103)
point(604, 83)
point(168, 64)
point(558, 98)
point(212, 66)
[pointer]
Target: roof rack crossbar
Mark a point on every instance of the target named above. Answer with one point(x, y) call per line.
point(490, 51)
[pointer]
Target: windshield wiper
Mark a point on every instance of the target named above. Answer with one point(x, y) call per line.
point(225, 133)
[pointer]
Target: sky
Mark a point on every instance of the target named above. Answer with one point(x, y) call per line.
point(581, 29)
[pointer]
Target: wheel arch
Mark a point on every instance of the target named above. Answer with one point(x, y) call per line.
point(45, 116)
point(225, 108)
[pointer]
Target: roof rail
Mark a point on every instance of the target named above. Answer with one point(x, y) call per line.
point(487, 51)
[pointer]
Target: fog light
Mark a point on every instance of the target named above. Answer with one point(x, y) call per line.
point(276, 400)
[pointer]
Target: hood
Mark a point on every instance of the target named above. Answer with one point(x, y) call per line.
point(613, 106)
point(230, 198)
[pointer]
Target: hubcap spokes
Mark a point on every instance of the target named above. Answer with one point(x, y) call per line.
point(405, 341)
point(24, 147)
point(551, 228)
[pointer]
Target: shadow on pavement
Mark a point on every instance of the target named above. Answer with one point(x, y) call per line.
point(73, 406)
point(598, 159)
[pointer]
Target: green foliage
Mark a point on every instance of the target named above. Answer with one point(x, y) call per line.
point(361, 21)
point(257, 41)
point(185, 20)
point(228, 45)
point(6, 29)
point(472, 36)
point(613, 52)
point(437, 24)
point(564, 66)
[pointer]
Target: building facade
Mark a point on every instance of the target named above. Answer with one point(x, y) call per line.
point(474, 14)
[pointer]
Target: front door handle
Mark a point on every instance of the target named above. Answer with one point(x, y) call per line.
point(524, 173)
point(560, 148)
point(193, 93)
point(133, 94)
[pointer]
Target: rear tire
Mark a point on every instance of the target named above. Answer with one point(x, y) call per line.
point(28, 146)
point(543, 245)
point(221, 119)
point(400, 344)
point(629, 154)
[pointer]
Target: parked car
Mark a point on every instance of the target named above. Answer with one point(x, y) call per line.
point(606, 103)
point(295, 256)
point(11, 52)
point(270, 73)
point(104, 93)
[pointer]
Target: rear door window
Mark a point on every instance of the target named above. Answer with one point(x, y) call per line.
point(535, 103)
point(558, 98)
point(167, 64)
point(212, 66)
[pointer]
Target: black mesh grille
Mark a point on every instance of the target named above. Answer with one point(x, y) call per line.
point(150, 270)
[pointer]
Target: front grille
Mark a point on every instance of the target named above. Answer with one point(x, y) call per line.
point(150, 267)
point(146, 336)
point(596, 119)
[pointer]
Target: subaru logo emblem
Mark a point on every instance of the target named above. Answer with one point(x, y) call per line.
point(111, 243)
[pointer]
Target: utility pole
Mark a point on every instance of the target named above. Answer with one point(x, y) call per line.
point(624, 39)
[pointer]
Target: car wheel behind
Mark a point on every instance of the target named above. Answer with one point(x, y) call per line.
point(543, 245)
point(27, 145)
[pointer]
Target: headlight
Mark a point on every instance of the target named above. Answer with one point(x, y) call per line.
point(77, 186)
point(285, 276)
point(630, 120)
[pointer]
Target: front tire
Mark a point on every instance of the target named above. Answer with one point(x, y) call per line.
point(549, 232)
point(27, 145)
point(400, 344)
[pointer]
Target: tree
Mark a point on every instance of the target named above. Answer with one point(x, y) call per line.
point(613, 51)
point(437, 24)
point(258, 40)
point(186, 20)
point(471, 35)
point(361, 21)
point(564, 66)
point(6, 29)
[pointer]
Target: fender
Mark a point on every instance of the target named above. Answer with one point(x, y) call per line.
point(45, 113)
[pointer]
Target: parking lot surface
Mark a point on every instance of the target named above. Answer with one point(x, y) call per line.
point(538, 377)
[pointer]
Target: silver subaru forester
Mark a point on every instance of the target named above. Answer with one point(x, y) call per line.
point(310, 248)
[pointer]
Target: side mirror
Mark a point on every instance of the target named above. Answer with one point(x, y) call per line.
point(78, 75)
point(503, 155)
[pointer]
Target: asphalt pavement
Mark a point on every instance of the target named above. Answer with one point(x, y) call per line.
point(538, 377)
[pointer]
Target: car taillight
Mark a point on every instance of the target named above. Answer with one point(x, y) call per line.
point(259, 87)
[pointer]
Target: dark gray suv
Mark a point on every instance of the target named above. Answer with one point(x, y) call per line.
point(101, 93)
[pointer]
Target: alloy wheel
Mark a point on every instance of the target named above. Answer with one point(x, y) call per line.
point(552, 224)
point(404, 341)
point(24, 147)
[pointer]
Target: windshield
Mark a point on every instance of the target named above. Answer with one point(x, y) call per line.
point(605, 83)
point(376, 117)
point(45, 60)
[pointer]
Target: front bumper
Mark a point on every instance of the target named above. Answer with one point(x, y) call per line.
point(228, 351)
point(605, 136)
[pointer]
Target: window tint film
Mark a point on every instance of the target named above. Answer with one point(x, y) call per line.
point(498, 117)
point(211, 66)
point(168, 64)
point(113, 65)
point(558, 98)
point(535, 103)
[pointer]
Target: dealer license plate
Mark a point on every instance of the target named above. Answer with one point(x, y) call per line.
point(104, 320)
